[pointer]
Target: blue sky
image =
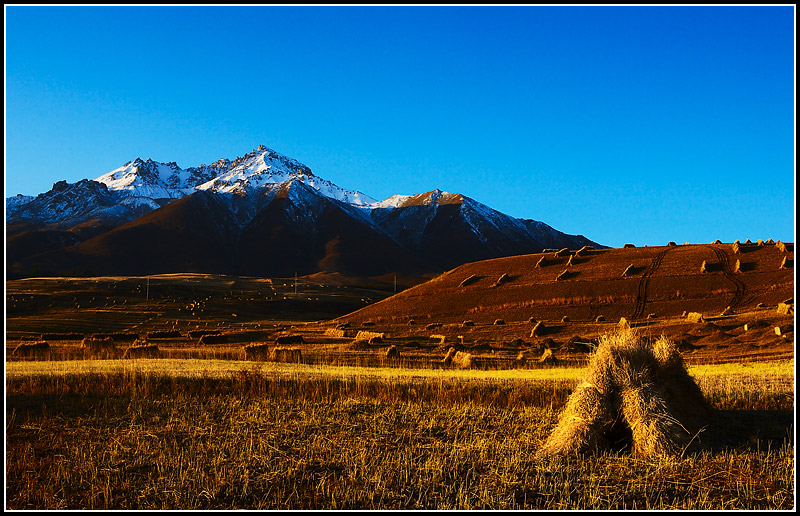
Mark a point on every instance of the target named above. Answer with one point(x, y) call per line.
point(624, 124)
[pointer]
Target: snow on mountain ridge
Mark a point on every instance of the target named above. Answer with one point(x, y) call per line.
point(254, 170)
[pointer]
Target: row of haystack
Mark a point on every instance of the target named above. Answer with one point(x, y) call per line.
point(263, 352)
point(635, 394)
point(106, 348)
point(458, 359)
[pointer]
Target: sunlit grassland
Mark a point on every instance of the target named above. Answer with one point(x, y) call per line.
point(206, 434)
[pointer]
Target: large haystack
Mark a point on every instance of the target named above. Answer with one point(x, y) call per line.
point(635, 394)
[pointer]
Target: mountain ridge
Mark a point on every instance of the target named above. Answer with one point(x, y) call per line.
point(265, 203)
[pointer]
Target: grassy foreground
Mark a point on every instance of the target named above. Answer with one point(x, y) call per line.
point(199, 435)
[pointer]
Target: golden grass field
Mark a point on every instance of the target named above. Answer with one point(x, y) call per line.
point(344, 427)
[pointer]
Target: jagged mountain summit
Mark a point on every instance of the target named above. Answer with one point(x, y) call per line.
point(260, 214)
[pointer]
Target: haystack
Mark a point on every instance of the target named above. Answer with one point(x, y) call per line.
point(286, 355)
point(695, 317)
point(99, 347)
point(141, 350)
point(392, 353)
point(256, 351)
point(462, 360)
point(786, 307)
point(31, 349)
point(635, 394)
point(548, 357)
point(469, 281)
point(458, 359)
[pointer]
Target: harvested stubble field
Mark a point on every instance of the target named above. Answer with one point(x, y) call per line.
point(200, 427)
point(200, 434)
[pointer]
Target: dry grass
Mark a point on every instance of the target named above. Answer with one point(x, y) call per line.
point(132, 436)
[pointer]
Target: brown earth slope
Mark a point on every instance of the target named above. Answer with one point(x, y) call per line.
point(651, 287)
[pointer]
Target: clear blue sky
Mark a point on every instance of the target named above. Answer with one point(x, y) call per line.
point(624, 124)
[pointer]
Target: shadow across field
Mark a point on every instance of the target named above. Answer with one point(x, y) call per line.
point(751, 430)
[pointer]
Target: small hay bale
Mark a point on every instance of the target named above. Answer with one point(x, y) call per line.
point(209, 339)
point(748, 241)
point(498, 322)
point(627, 246)
point(433, 326)
point(652, 316)
point(256, 351)
point(31, 349)
point(629, 270)
point(563, 252)
point(335, 333)
point(780, 246)
point(718, 241)
point(786, 263)
point(504, 278)
point(448, 358)
point(141, 351)
point(785, 308)
point(412, 322)
point(769, 241)
point(468, 323)
point(469, 281)
point(695, 317)
point(99, 347)
point(703, 267)
point(548, 357)
point(569, 262)
point(759, 242)
point(441, 338)
point(541, 263)
point(369, 335)
point(564, 275)
point(565, 319)
point(671, 243)
point(286, 355)
point(538, 330)
point(393, 353)
point(599, 318)
point(292, 339)
point(462, 360)
point(623, 323)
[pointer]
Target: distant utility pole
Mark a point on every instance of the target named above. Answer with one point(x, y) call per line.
point(295, 283)
point(148, 288)
point(395, 282)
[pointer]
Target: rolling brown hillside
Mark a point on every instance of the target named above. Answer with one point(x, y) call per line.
point(586, 293)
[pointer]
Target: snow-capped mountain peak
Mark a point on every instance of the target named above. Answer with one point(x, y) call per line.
point(256, 169)
point(263, 166)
